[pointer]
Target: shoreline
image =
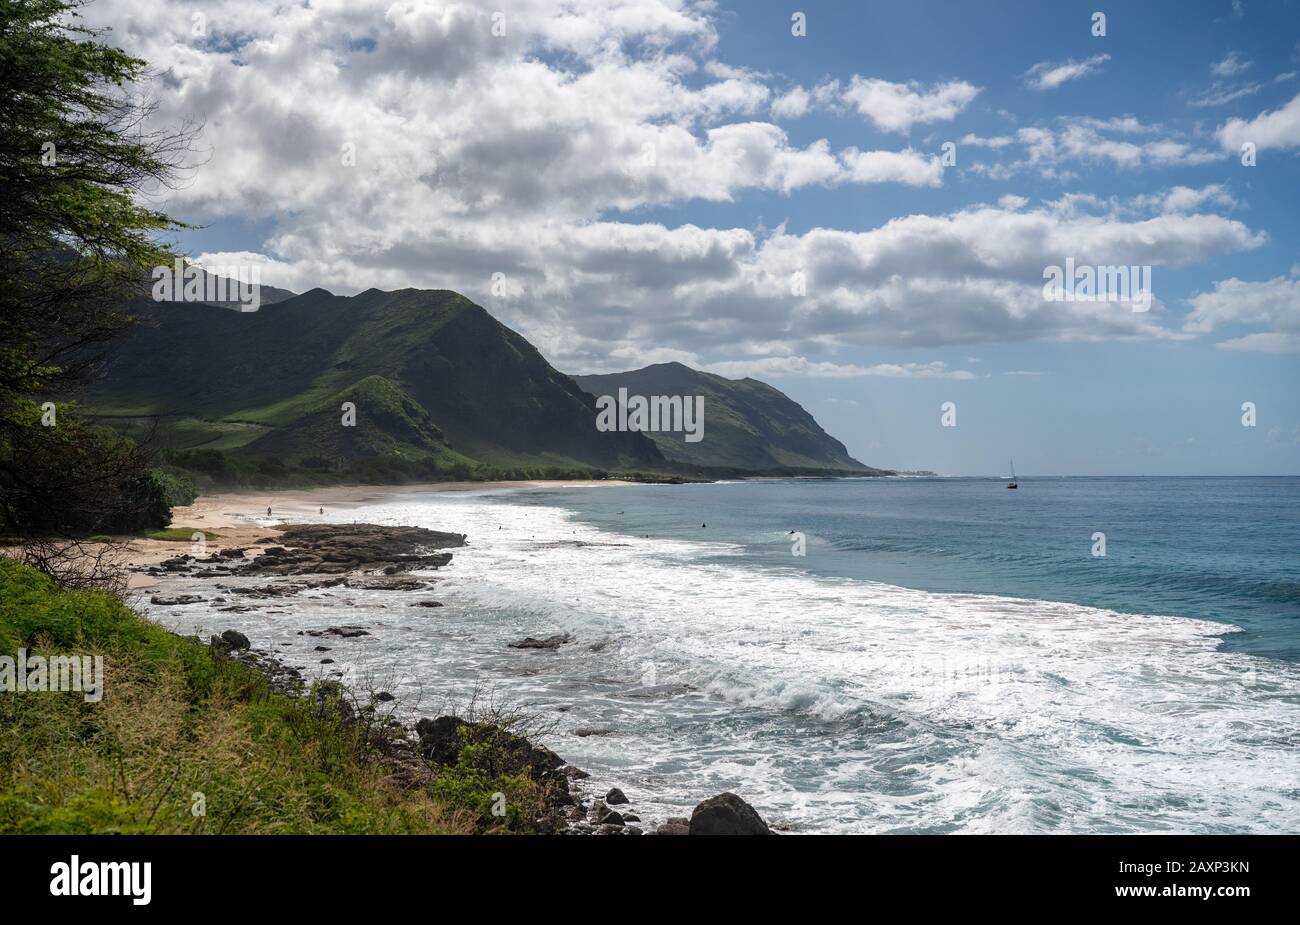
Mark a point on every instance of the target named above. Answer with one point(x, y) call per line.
point(312, 558)
point(238, 517)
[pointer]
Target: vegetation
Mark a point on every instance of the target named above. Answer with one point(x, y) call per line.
point(183, 728)
point(75, 243)
point(408, 381)
point(749, 427)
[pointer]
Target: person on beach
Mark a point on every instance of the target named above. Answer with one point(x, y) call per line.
point(268, 512)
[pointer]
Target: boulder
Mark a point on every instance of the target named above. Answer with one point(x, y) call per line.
point(727, 814)
point(615, 797)
point(235, 641)
point(550, 642)
point(165, 601)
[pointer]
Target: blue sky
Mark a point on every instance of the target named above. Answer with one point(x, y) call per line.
point(519, 155)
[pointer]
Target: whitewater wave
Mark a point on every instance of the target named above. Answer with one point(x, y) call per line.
point(833, 704)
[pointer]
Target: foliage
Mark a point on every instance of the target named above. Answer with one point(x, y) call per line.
point(76, 245)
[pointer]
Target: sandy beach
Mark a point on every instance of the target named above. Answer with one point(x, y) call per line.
point(239, 518)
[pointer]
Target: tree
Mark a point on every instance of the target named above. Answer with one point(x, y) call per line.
point(76, 246)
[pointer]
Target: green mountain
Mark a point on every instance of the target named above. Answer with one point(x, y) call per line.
point(431, 375)
point(417, 382)
point(748, 425)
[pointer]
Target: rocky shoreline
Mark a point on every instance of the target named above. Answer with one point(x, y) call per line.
point(377, 557)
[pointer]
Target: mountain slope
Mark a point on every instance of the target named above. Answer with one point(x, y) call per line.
point(748, 424)
point(451, 380)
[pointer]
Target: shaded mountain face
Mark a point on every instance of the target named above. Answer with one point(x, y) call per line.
point(429, 373)
point(747, 424)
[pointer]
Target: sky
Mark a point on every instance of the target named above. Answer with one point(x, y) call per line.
point(854, 202)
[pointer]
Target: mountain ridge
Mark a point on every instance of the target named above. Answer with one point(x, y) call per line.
point(748, 424)
point(433, 379)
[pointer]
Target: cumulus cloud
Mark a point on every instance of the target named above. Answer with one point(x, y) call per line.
point(1087, 142)
point(1279, 128)
point(1274, 303)
point(1046, 75)
point(542, 154)
point(798, 101)
point(1188, 199)
point(896, 107)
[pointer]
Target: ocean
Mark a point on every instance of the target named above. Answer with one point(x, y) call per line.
point(945, 656)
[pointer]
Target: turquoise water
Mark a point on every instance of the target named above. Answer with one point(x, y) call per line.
point(1222, 549)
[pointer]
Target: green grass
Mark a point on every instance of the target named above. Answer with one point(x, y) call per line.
point(181, 726)
point(178, 534)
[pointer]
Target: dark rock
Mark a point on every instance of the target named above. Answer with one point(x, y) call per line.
point(616, 797)
point(233, 553)
point(384, 697)
point(342, 548)
point(550, 642)
point(346, 632)
point(673, 828)
point(387, 582)
point(583, 733)
point(321, 649)
point(574, 773)
point(175, 599)
point(727, 814)
point(425, 604)
point(327, 661)
point(236, 641)
point(631, 817)
point(440, 738)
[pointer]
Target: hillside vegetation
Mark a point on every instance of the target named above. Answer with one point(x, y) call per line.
point(182, 727)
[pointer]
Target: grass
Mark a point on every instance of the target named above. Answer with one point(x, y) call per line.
point(178, 534)
point(187, 740)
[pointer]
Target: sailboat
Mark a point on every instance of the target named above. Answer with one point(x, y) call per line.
point(1013, 483)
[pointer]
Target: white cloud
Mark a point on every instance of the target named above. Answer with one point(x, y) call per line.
point(799, 101)
point(535, 155)
point(896, 107)
point(1274, 302)
point(1047, 76)
point(1279, 128)
point(793, 104)
point(908, 167)
point(1188, 199)
point(1219, 94)
point(1085, 142)
point(1231, 65)
point(1000, 141)
point(789, 367)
